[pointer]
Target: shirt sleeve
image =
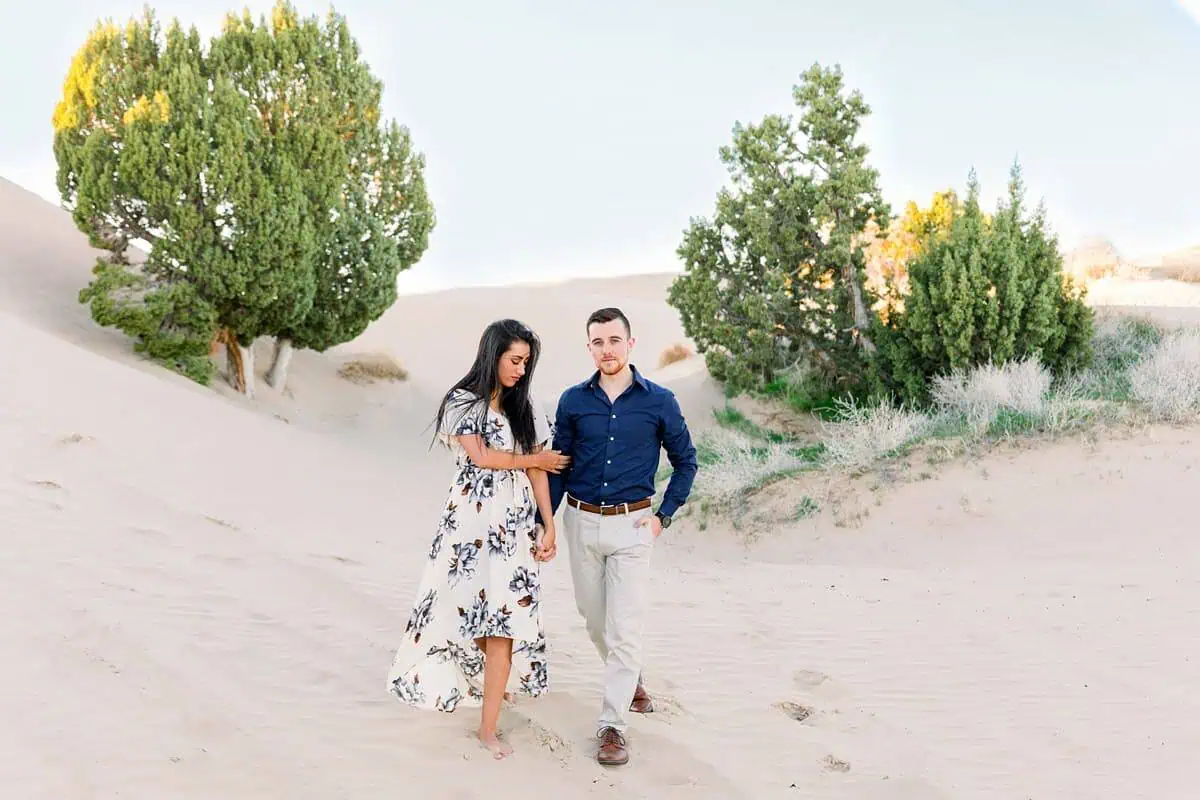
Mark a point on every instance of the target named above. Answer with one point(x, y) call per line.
point(563, 442)
point(677, 441)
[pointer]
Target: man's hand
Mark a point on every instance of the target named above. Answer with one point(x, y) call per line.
point(653, 521)
point(547, 546)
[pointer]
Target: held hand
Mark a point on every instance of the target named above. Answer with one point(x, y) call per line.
point(653, 521)
point(551, 461)
point(547, 546)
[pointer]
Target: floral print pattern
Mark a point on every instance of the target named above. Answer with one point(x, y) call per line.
point(480, 578)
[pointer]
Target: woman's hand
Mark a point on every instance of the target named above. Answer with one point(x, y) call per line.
point(547, 546)
point(551, 461)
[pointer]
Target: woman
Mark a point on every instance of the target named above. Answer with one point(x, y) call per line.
point(477, 610)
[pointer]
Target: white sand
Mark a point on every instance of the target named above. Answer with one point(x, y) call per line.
point(203, 598)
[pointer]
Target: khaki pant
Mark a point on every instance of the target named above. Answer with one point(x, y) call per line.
point(610, 567)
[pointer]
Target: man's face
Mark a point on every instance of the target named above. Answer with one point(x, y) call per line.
point(610, 345)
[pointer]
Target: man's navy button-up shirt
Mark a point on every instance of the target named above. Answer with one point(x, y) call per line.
point(614, 446)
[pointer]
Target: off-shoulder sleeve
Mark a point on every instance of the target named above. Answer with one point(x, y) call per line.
point(461, 417)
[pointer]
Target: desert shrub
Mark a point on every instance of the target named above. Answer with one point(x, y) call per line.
point(1183, 265)
point(1167, 381)
point(734, 463)
point(674, 354)
point(805, 390)
point(373, 367)
point(1012, 398)
point(992, 291)
point(862, 433)
point(1189, 273)
point(1120, 344)
point(1093, 261)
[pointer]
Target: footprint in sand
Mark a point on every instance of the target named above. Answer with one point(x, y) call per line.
point(53, 487)
point(550, 740)
point(835, 764)
point(795, 710)
point(809, 679)
point(666, 705)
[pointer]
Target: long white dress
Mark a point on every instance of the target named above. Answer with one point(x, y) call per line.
point(480, 577)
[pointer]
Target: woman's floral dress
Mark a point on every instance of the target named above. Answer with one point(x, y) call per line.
point(480, 577)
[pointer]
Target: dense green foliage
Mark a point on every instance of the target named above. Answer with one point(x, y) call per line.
point(775, 278)
point(168, 323)
point(773, 291)
point(256, 171)
point(991, 292)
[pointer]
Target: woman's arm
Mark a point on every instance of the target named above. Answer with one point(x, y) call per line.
point(483, 456)
point(547, 545)
point(541, 495)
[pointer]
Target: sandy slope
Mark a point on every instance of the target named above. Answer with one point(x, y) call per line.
point(204, 598)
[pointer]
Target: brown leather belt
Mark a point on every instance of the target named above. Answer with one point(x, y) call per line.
point(608, 511)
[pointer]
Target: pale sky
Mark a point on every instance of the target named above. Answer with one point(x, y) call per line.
point(571, 139)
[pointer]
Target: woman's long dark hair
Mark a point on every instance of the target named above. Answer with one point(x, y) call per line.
point(483, 380)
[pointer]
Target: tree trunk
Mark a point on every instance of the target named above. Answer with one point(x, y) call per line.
point(240, 362)
point(862, 321)
point(277, 377)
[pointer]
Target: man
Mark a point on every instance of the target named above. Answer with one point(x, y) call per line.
point(612, 426)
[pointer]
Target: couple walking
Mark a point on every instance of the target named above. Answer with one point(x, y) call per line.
point(474, 635)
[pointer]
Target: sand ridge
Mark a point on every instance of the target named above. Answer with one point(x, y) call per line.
point(211, 589)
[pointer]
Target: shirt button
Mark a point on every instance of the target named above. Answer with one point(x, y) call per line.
point(614, 416)
point(606, 483)
point(609, 461)
point(611, 438)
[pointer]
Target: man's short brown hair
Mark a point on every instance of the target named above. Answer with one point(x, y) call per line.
point(604, 315)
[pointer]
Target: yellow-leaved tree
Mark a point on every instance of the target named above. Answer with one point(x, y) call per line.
point(887, 257)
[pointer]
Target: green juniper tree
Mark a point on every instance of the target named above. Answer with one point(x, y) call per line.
point(775, 278)
point(992, 291)
point(381, 227)
point(242, 167)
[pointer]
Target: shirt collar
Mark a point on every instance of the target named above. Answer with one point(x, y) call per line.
point(638, 380)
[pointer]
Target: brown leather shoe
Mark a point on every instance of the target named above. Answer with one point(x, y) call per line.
point(642, 702)
point(613, 751)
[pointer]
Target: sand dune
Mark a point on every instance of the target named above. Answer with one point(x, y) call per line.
point(206, 591)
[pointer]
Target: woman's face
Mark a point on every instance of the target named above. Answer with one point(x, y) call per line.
point(513, 363)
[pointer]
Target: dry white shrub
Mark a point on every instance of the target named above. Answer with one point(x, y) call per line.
point(1023, 387)
point(740, 463)
point(1068, 405)
point(864, 434)
point(978, 395)
point(1167, 381)
point(1120, 342)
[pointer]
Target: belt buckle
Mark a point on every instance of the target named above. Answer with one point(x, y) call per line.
point(613, 506)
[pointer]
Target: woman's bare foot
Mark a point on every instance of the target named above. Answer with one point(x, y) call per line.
point(492, 742)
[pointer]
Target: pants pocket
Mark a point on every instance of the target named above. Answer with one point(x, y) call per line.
point(643, 531)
